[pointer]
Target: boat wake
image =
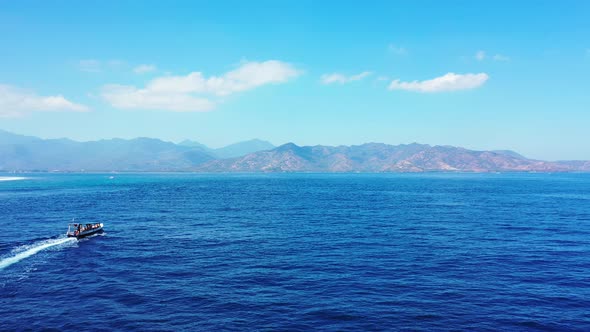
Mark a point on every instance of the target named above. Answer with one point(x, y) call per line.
point(12, 178)
point(26, 251)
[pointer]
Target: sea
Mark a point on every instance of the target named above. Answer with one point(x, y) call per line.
point(296, 252)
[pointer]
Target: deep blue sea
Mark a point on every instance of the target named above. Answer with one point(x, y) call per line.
point(297, 252)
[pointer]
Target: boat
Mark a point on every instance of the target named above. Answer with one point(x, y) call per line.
point(79, 230)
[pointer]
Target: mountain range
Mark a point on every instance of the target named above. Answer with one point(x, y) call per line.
point(27, 153)
point(233, 150)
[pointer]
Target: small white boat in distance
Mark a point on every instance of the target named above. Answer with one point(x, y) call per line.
point(79, 231)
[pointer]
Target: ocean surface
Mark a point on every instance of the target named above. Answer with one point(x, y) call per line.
point(296, 252)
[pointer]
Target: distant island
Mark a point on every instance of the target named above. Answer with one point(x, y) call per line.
point(20, 153)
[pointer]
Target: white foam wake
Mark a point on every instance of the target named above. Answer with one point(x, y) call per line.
point(11, 178)
point(32, 250)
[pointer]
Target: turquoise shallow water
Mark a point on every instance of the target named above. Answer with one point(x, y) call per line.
point(297, 252)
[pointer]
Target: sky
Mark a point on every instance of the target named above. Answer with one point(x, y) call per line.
point(480, 75)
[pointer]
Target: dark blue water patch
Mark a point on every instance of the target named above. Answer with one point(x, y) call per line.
point(298, 252)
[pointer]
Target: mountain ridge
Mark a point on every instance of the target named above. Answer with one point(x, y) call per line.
point(29, 153)
point(380, 157)
point(233, 150)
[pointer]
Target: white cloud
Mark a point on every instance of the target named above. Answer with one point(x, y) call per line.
point(15, 102)
point(480, 55)
point(129, 97)
point(248, 76)
point(142, 69)
point(447, 82)
point(396, 49)
point(186, 93)
point(340, 78)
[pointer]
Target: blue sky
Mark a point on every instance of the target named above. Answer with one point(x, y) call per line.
point(494, 75)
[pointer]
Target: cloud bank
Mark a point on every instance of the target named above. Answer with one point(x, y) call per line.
point(195, 92)
point(447, 82)
point(16, 102)
point(340, 78)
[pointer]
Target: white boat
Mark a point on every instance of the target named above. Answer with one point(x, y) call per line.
point(79, 231)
